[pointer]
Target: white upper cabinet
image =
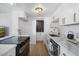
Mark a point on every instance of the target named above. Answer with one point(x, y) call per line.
point(68, 14)
point(77, 18)
point(72, 15)
point(68, 18)
point(76, 13)
point(54, 22)
point(22, 15)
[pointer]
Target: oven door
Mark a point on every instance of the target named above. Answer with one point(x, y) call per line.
point(22, 49)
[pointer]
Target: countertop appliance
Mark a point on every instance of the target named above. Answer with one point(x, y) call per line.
point(70, 35)
point(54, 48)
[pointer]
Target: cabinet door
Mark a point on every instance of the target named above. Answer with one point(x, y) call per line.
point(11, 52)
point(77, 17)
point(62, 20)
point(76, 11)
point(21, 14)
point(69, 16)
point(65, 52)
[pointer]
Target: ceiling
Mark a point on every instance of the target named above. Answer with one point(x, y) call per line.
point(28, 8)
point(5, 7)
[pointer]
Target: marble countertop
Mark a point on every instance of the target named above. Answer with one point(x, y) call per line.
point(63, 42)
point(13, 39)
point(10, 40)
point(2, 38)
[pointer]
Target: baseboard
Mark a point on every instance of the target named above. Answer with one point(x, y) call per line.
point(39, 41)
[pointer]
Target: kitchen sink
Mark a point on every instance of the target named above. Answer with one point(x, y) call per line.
point(53, 35)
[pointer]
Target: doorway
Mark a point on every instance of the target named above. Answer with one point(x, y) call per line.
point(39, 30)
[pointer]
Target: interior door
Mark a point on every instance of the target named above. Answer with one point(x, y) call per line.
point(39, 30)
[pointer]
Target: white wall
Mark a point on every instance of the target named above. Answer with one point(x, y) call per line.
point(24, 27)
point(74, 28)
point(28, 27)
point(14, 23)
point(33, 32)
point(46, 29)
point(67, 10)
point(5, 20)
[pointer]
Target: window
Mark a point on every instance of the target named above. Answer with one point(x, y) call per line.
point(40, 26)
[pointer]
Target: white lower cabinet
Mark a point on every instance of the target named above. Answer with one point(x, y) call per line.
point(11, 52)
point(65, 52)
point(7, 49)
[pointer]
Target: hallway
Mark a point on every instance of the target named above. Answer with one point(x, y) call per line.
point(38, 50)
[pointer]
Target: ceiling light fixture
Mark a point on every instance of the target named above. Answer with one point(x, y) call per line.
point(39, 9)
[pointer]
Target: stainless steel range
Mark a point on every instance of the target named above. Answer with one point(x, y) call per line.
point(22, 48)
